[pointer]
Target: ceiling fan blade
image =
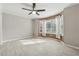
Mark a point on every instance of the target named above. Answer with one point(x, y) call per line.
point(37, 13)
point(26, 9)
point(40, 10)
point(30, 13)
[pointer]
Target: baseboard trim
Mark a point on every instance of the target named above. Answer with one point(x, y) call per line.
point(9, 40)
point(15, 39)
point(71, 46)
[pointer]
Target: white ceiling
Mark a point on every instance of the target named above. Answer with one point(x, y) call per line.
point(51, 9)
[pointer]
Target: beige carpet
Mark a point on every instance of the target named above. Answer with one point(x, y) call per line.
point(36, 47)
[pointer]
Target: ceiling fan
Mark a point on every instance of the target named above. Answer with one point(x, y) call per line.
point(33, 11)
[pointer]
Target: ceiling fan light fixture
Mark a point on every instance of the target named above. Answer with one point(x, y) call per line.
point(34, 12)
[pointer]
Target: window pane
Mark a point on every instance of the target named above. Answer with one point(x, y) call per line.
point(48, 26)
point(53, 27)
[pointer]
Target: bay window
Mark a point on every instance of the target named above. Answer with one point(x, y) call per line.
point(52, 26)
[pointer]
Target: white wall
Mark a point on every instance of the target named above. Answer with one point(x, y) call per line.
point(0, 24)
point(15, 27)
point(35, 27)
point(71, 25)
